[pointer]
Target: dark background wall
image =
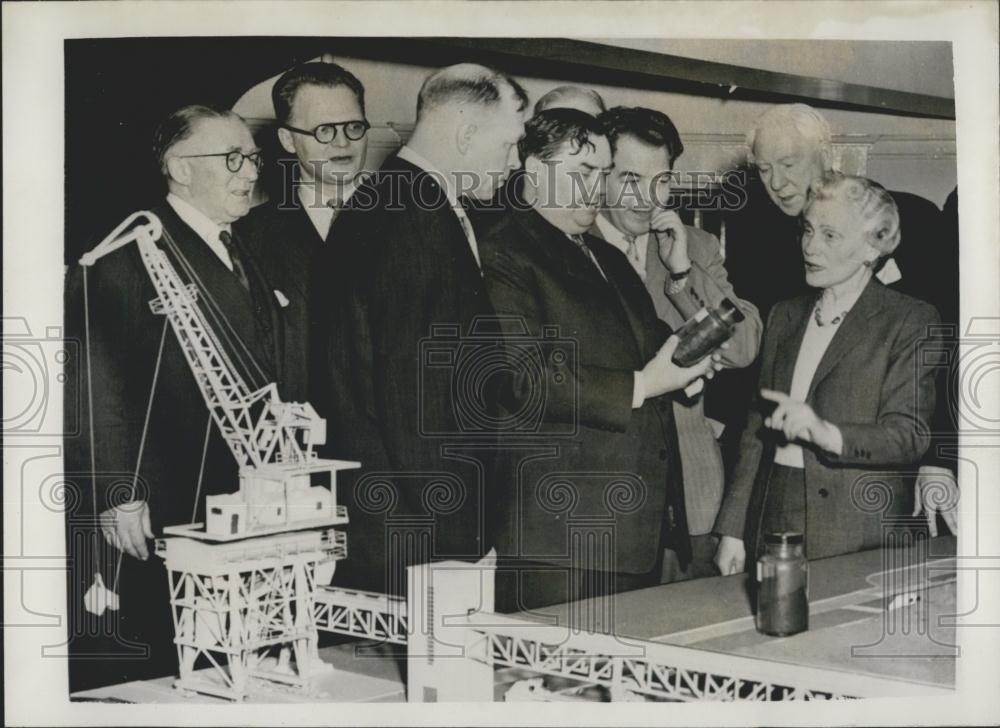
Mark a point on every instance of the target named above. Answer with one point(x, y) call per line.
point(116, 92)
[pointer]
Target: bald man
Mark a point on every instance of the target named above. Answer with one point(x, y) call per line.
point(572, 97)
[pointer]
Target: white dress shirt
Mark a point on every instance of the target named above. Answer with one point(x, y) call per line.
point(636, 252)
point(815, 342)
point(320, 213)
point(203, 227)
point(414, 158)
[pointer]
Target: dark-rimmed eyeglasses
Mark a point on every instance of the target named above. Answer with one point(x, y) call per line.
point(326, 133)
point(234, 159)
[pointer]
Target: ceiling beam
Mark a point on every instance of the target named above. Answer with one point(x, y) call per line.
point(598, 63)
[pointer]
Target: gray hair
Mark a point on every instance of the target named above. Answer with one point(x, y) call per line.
point(804, 119)
point(873, 203)
point(179, 125)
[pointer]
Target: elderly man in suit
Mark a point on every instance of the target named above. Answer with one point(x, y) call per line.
point(405, 281)
point(153, 448)
point(320, 108)
point(790, 145)
point(683, 270)
point(591, 516)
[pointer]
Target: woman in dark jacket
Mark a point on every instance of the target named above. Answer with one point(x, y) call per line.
point(841, 370)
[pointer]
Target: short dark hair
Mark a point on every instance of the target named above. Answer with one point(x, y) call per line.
point(647, 125)
point(312, 74)
point(547, 131)
point(178, 126)
point(467, 83)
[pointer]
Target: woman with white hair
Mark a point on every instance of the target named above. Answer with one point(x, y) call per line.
point(851, 403)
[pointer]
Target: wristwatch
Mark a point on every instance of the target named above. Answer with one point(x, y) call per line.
point(677, 282)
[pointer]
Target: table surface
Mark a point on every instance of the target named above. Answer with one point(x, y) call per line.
point(850, 628)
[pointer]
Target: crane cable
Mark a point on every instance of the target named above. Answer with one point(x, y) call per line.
point(236, 343)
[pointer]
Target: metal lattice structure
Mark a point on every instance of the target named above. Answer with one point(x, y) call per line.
point(243, 603)
point(457, 644)
point(246, 609)
point(361, 614)
point(272, 441)
point(661, 671)
point(257, 426)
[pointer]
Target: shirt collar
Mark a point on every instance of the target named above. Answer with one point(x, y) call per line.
point(615, 236)
point(304, 193)
point(196, 219)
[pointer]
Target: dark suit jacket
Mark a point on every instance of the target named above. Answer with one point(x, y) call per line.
point(280, 235)
point(870, 386)
point(606, 461)
point(124, 340)
point(401, 282)
point(707, 285)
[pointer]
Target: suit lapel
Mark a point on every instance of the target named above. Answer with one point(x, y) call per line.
point(853, 329)
point(563, 253)
point(790, 333)
point(611, 266)
point(227, 304)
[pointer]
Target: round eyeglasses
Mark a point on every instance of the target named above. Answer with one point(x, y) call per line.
point(326, 133)
point(234, 159)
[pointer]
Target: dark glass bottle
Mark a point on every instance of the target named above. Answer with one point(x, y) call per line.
point(705, 332)
point(782, 586)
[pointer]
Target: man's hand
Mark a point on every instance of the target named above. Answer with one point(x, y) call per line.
point(661, 375)
point(671, 238)
point(127, 527)
point(798, 421)
point(731, 556)
point(936, 491)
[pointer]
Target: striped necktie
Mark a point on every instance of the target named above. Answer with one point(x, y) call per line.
point(632, 252)
point(234, 257)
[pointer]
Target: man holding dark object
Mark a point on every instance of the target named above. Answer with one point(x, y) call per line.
point(620, 466)
point(683, 270)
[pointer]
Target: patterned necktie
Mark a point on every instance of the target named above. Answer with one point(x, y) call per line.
point(632, 252)
point(238, 270)
point(582, 244)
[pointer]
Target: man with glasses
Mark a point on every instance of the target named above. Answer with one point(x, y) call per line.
point(320, 109)
point(153, 448)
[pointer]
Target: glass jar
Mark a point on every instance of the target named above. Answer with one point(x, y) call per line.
point(782, 586)
point(705, 332)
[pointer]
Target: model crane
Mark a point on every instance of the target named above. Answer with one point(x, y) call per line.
point(242, 587)
point(272, 441)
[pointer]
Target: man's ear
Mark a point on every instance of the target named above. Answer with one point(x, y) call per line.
point(534, 170)
point(285, 139)
point(464, 135)
point(179, 170)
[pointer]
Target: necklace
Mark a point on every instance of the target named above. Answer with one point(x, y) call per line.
point(833, 322)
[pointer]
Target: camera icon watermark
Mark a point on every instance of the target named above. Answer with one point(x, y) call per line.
point(966, 367)
point(500, 380)
point(33, 367)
